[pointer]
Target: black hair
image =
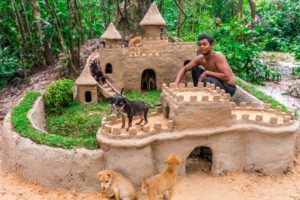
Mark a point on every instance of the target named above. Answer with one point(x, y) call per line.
point(209, 38)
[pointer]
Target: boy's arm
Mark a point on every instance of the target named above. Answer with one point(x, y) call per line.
point(186, 68)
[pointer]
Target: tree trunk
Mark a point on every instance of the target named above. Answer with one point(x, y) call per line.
point(27, 24)
point(240, 9)
point(74, 52)
point(44, 45)
point(57, 25)
point(20, 23)
point(181, 16)
point(78, 21)
point(253, 11)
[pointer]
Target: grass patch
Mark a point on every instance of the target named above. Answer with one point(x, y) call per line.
point(150, 97)
point(296, 71)
point(78, 121)
point(24, 127)
point(76, 126)
point(261, 96)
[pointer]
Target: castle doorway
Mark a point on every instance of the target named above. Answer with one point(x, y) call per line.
point(88, 96)
point(200, 159)
point(148, 81)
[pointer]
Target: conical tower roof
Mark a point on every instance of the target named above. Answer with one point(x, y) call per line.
point(85, 77)
point(111, 33)
point(153, 17)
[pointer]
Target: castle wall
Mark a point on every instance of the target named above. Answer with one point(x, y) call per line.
point(128, 65)
point(50, 166)
point(199, 116)
point(134, 163)
point(82, 89)
point(114, 56)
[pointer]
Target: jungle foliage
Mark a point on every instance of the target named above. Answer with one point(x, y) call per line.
point(33, 33)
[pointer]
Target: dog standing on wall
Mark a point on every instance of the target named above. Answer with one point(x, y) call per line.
point(130, 108)
point(161, 185)
point(134, 43)
point(120, 186)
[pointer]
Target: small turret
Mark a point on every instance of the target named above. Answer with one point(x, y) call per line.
point(111, 36)
point(153, 22)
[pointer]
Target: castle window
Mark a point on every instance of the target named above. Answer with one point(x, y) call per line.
point(108, 69)
point(88, 96)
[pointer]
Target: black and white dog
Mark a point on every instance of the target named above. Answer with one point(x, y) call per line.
point(124, 106)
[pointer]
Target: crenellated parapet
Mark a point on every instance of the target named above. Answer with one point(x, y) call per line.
point(184, 45)
point(136, 54)
point(261, 115)
point(188, 94)
point(111, 127)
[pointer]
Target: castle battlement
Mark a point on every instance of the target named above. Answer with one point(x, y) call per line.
point(111, 127)
point(265, 115)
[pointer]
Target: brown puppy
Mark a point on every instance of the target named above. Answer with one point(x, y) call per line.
point(106, 194)
point(121, 187)
point(162, 184)
point(135, 42)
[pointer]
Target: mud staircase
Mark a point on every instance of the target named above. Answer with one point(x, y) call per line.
point(107, 89)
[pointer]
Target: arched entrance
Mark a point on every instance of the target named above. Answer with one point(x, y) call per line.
point(88, 96)
point(148, 81)
point(108, 69)
point(199, 159)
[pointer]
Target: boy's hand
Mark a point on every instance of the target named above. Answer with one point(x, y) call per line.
point(202, 76)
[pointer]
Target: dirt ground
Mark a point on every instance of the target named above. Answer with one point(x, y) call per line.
point(198, 185)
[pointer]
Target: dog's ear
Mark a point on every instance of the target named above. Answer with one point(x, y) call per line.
point(109, 173)
point(99, 175)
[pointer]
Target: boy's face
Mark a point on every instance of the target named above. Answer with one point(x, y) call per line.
point(204, 46)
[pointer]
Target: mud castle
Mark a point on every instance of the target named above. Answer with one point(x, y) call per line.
point(244, 137)
point(138, 68)
point(248, 137)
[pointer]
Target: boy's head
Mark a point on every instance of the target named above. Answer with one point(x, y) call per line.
point(209, 38)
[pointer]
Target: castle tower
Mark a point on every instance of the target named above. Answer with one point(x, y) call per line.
point(111, 36)
point(86, 87)
point(153, 22)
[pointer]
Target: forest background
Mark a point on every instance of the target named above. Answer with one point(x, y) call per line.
point(35, 33)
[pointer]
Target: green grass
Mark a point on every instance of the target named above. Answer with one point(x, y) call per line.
point(77, 120)
point(151, 97)
point(76, 126)
point(296, 71)
point(24, 127)
point(261, 96)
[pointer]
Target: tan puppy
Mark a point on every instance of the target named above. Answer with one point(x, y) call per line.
point(135, 42)
point(106, 194)
point(122, 188)
point(162, 184)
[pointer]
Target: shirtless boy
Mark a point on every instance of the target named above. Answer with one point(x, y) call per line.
point(217, 70)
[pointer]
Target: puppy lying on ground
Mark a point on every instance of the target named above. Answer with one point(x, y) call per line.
point(161, 185)
point(121, 187)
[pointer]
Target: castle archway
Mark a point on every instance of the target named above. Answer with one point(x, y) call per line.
point(88, 96)
point(148, 81)
point(200, 159)
point(108, 68)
